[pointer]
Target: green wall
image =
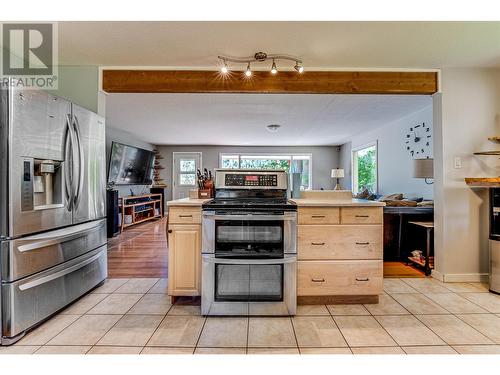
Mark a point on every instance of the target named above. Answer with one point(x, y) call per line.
point(79, 84)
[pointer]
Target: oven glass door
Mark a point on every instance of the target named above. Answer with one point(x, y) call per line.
point(249, 238)
point(248, 282)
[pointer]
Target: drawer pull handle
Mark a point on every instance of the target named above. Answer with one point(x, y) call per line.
point(318, 243)
point(362, 279)
point(362, 243)
point(362, 215)
point(318, 280)
point(185, 215)
point(317, 216)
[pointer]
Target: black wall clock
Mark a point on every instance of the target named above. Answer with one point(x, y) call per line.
point(418, 141)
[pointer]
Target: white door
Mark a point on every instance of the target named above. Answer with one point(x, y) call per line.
point(184, 176)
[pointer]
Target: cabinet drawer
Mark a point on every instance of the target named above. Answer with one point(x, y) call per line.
point(184, 215)
point(325, 242)
point(341, 277)
point(318, 215)
point(361, 215)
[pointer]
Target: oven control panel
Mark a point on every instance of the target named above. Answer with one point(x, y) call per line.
point(251, 180)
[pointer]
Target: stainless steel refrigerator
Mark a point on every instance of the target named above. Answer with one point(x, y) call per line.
point(52, 207)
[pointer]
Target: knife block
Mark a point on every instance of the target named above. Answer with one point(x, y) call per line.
point(204, 193)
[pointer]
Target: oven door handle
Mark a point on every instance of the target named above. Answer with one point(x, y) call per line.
point(211, 259)
point(252, 217)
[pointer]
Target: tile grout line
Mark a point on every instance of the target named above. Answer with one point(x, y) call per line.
point(248, 333)
point(156, 329)
point(199, 335)
point(341, 333)
point(294, 334)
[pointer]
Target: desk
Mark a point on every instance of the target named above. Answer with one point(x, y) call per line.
point(394, 229)
point(429, 227)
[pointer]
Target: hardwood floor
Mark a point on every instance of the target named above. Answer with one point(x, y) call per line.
point(140, 251)
point(400, 270)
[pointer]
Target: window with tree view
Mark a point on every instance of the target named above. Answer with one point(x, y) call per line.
point(364, 169)
point(293, 163)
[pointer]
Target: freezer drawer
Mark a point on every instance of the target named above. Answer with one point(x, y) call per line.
point(28, 301)
point(28, 255)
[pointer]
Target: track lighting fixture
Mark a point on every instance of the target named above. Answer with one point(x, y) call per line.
point(248, 72)
point(260, 57)
point(274, 70)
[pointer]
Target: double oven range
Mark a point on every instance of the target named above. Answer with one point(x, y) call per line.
point(249, 250)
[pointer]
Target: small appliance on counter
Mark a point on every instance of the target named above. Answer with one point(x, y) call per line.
point(495, 240)
point(249, 253)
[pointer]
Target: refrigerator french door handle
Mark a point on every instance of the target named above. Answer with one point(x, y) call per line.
point(68, 161)
point(81, 162)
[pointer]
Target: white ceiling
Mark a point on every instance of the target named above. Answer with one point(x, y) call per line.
point(320, 44)
point(241, 119)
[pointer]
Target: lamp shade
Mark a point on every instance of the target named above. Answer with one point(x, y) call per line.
point(423, 168)
point(337, 173)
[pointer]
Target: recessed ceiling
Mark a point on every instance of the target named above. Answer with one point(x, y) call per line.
point(416, 45)
point(241, 119)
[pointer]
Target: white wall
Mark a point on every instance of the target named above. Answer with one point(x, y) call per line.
point(324, 158)
point(395, 164)
point(117, 135)
point(470, 113)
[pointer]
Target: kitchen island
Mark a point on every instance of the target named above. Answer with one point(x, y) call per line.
point(339, 249)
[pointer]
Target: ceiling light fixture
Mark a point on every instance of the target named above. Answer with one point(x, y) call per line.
point(274, 70)
point(261, 57)
point(299, 68)
point(248, 72)
point(273, 128)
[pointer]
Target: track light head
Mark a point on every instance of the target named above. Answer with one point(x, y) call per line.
point(298, 68)
point(224, 68)
point(274, 70)
point(248, 72)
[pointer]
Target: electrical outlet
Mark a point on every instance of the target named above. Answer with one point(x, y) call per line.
point(457, 162)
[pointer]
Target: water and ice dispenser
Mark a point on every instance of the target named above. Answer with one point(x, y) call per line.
point(42, 185)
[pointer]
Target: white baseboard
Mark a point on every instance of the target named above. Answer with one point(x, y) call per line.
point(460, 277)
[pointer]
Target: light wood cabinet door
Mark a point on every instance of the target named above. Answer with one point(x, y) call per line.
point(184, 215)
point(318, 215)
point(340, 277)
point(361, 215)
point(330, 242)
point(184, 260)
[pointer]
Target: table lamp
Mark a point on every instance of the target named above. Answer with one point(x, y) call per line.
point(423, 168)
point(337, 173)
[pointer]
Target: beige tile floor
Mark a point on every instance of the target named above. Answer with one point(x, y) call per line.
point(414, 316)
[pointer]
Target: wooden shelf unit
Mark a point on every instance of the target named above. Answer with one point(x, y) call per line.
point(149, 202)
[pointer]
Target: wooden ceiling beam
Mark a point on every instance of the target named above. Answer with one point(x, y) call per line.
point(263, 82)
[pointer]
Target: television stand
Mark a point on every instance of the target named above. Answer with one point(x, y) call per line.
point(140, 208)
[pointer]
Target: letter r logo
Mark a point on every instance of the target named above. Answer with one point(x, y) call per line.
point(27, 49)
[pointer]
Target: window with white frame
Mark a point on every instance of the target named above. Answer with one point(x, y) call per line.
point(292, 163)
point(364, 168)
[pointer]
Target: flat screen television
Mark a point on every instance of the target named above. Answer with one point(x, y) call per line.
point(130, 165)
